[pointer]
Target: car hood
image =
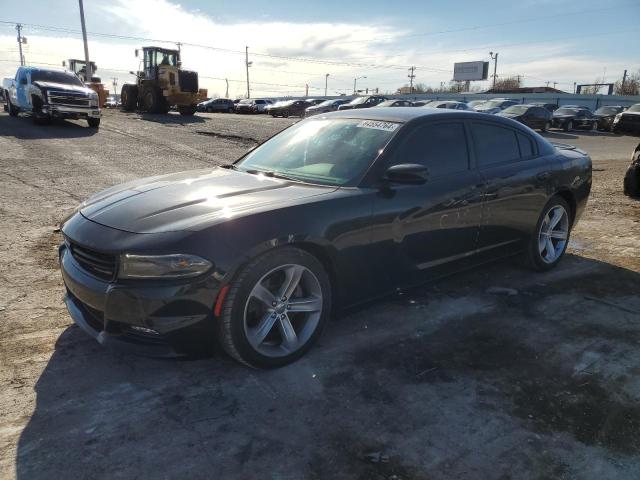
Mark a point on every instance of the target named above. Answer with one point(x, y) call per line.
point(509, 115)
point(63, 86)
point(488, 110)
point(563, 116)
point(192, 200)
point(629, 114)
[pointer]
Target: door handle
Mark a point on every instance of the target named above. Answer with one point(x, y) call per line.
point(543, 175)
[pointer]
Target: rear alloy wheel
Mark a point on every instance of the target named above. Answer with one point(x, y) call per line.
point(551, 237)
point(275, 309)
point(568, 126)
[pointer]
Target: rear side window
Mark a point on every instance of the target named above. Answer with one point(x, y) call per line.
point(442, 148)
point(494, 144)
point(526, 146)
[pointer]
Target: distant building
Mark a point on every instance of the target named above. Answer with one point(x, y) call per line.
point(404, 91)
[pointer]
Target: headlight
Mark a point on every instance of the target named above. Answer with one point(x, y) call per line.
point(162, 266)
point(93, 99)
point(618, 117)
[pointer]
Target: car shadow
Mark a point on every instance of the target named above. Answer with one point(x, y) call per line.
point(446, 362)
point(172, 118)
point(23, 128)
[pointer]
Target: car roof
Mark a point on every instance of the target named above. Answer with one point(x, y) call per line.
point(403, 114)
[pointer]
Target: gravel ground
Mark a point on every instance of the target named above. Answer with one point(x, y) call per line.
point(463, 384)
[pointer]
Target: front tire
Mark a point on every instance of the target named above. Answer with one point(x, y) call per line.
point(129, 97)
point(275, 309)
point(187, 110)
point(93, 122)
point(550, 238)
point(13, 110)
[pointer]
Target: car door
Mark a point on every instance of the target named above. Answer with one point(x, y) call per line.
point(22, 84)
point(416, 227)
point(516, 178)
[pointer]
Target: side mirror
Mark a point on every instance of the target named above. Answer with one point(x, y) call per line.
point(407, 173)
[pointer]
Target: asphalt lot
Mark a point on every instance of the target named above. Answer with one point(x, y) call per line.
point(444, 381)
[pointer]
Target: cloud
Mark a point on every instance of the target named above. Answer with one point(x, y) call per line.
point(384, 62)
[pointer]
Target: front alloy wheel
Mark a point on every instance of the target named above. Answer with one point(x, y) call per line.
point(275, 308)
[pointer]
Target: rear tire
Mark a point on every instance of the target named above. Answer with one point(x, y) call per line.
point(550, 237)
point(568, 126)
point(93, 122)
point(129, 98)
point(289, 326)
point(154, 102)
point(546, 127)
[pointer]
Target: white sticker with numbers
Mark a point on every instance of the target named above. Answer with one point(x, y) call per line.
point(386, 126)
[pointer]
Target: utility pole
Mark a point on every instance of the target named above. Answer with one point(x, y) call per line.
point(624, 79)
point(226, 95)
point(355, 80)
point(88, 71)
point(554, 84)
point(248, 64)
point(574, 86)
point(19, 29)
point(495, 67)
point(326, 79)
point(411, 77)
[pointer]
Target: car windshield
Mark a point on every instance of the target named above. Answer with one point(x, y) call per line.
point(517, 109)
point(326, 103)
point(55, 77)
point(246, 101)
point(326, 151)
point(566, 111)
point(634, 108)
point(475, 103)
point(607, 111)
point(387, 103)
point(358, 101)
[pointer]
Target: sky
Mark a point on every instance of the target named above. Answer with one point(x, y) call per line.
point(294, 44)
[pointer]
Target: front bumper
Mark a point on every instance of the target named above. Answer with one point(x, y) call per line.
point(154, 319)
point(60, 111)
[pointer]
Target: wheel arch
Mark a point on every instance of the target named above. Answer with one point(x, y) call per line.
point(569, 197)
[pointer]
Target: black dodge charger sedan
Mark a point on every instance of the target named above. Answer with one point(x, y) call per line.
point(333, 211)
point(568, 118)
point(628, 121)
point(531, 115)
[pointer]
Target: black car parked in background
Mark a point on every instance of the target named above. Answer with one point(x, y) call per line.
point(568, 118)
point(552, 107)
point(605, 116)
point(362, 102)
point(325, 107)
point(223, 105)
point(531, 115)
point(628, 121)
point(329, 213)
point(289, 108)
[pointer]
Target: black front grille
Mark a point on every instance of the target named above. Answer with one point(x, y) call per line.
point(101, 265)
point(67, 98)
point(188, 81)
point(630, 119)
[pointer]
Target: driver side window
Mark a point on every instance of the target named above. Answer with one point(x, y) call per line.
point(441, 147)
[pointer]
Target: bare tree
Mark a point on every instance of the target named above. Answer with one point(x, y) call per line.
point(592, 89)
point(507, 83)
point(631, 85)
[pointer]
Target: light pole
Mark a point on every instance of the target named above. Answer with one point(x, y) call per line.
point(248, 64)
point(326, 78)
point(354, 83)
point(495, 67)
point(88, 73)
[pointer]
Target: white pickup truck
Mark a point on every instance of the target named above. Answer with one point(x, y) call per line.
point(46, 94)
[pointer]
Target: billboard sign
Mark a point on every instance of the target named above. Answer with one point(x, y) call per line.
point(465, 71)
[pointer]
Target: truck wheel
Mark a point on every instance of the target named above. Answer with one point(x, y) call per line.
point(93, 122)
point(129, 97)
point(187, 110)
point(13, 110)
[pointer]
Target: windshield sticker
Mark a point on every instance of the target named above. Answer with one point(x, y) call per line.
point(386, 126)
